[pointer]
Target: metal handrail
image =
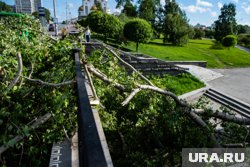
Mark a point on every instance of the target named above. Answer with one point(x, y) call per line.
point(92, 151)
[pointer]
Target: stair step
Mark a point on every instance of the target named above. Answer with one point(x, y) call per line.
point(236, 107)
point(232, 99)
point(233, 103)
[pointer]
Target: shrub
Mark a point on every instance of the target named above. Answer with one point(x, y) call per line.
point(138, 30)
point(229, 41)
point(199, 33)
point(103, 23)
point(244, 39)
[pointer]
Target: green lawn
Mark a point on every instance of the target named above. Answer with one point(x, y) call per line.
point(179, 84)
point(203, 50)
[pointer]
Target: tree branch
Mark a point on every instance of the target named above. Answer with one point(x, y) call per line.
point(49, 84)
point(32, 70)
point(19, 72)
point(164, 92)
point(227, 117)
point(127, 64)
point(105, 79)
point(41, 120)
point(90, 79)
point(130, 97)
point(188, 110)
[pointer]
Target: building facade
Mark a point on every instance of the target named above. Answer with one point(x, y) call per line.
point(89, 5)
point(37, 4)
point(27, 6)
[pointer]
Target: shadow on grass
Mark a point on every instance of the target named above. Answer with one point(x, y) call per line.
point(161, 44)
point(217, 46)
point(202, 43)
point(120, 47)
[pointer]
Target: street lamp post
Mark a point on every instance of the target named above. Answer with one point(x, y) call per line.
point(54, 3)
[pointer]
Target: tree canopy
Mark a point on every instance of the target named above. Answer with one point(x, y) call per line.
point(175, 27)
point(138, 30)
point(147, 10)
point(129, 9)
point(226, 23)
point(4, 7)
point(47, 14)
point(103, 23)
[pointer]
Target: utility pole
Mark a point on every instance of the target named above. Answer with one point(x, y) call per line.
point(21, 6)
point(55, 19)
point(66, 12)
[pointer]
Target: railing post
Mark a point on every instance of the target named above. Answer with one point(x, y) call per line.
point(91, 153)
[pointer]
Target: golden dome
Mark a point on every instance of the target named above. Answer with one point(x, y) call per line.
point(93, 7)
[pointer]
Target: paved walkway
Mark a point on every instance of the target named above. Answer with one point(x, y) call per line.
point(234, 82)
point(243, 48)
point(203, 74)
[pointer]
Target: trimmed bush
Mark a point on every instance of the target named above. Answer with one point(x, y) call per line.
point(138, 31)
point(108, 25)
point(229, 41)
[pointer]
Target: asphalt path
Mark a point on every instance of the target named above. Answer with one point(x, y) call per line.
point(234, 82)
point(243, 48)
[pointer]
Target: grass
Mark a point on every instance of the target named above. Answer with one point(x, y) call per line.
point(179, 84)
point(196, 50)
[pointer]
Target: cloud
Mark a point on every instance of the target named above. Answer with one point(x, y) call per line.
point(213, 14)
point(220, 5)
point(195, 9)
point(203, 3)
point(247, 9)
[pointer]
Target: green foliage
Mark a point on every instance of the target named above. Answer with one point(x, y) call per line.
point(209, 33)
point(180, 84)
point(151, 130)
point(21, 105)
point(129, 9)
point(103, 23)
point(4, 7)
point(147, 10)
point(138, 30)
point(244, 40)
point(243, 29)
point(175, 27)
point(151, 125)
point(199, 50)
point(176, 30)
point(99, 6)
point(226, 23)
point(47, 15)
point(199, 33)
point(229, 41)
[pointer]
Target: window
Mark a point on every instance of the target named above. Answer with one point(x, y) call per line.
point(86, 10)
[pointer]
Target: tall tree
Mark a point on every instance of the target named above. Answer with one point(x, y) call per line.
point(4, 7)
point(243, 29)
point(175, 27)
point(226, 23)
point(147, 9)
point(129, 9)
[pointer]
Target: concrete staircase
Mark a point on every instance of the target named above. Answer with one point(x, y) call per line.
point(230, 102)
point(148, 65)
